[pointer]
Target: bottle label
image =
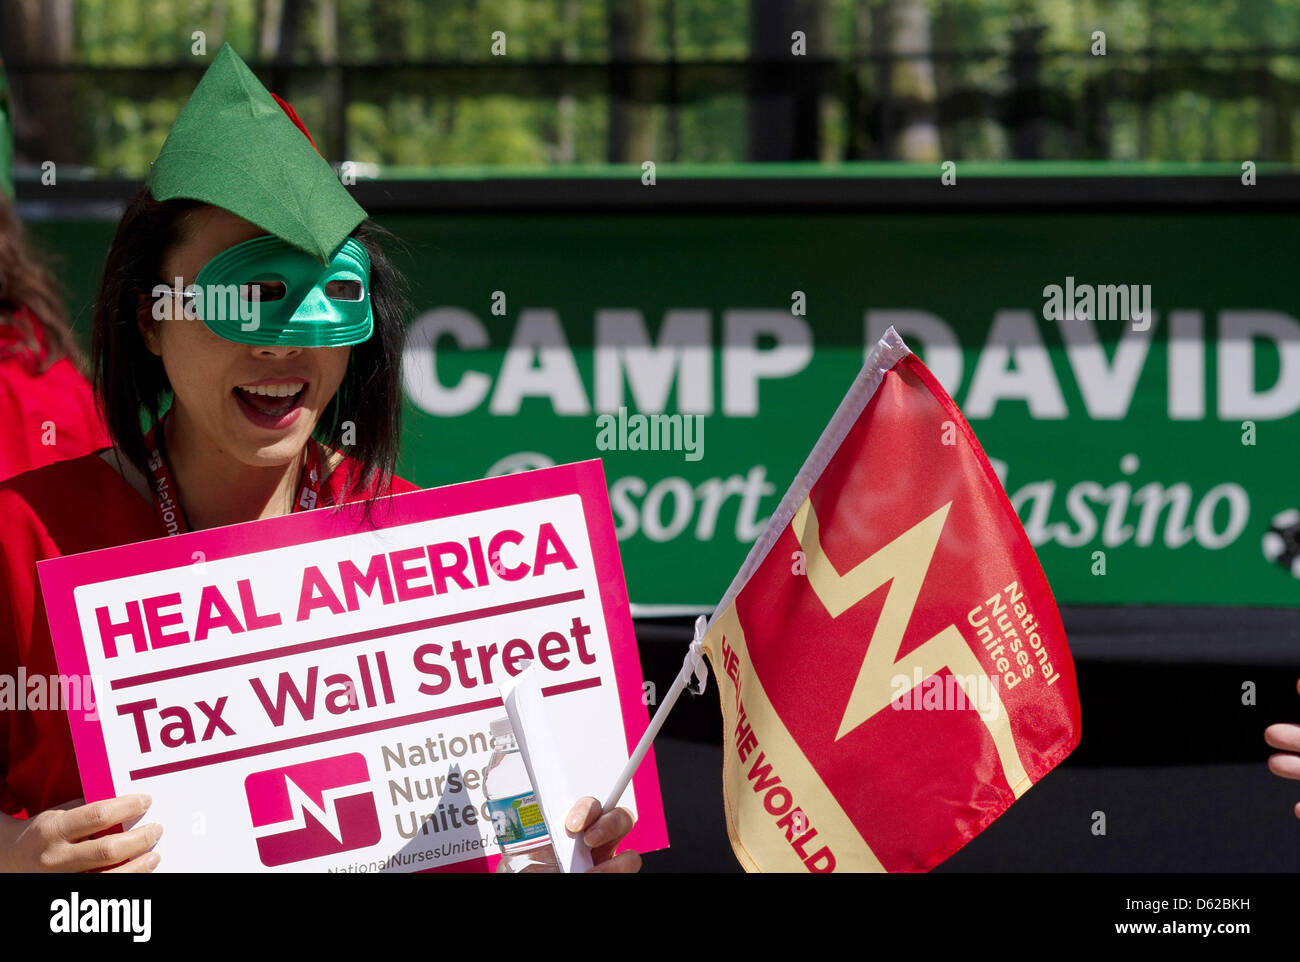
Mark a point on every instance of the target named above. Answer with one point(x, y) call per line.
point(517, 820)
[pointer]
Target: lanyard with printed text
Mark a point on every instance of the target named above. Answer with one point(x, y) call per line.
point(167, 509)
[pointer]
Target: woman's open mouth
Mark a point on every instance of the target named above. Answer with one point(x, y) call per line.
point(270, 404)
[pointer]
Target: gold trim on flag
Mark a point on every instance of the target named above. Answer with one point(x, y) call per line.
point(760, 843)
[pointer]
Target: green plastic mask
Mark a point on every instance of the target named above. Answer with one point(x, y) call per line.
point(265, 291)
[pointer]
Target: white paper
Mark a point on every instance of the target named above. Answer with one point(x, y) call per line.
point(547, 766)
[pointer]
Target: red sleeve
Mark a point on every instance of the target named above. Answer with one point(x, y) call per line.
point(48, 417)
point(47, 513)
point(25, 652)
point(17, 558)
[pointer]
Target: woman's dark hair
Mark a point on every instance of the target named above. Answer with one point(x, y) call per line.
point(26, 281)
point(130, 381)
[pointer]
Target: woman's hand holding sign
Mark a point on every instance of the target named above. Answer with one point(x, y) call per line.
point(59, 839)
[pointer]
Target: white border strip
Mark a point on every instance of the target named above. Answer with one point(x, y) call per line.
point(669, 611)
point(889, 350)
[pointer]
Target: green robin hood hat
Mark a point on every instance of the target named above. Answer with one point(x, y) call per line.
point(233, 146)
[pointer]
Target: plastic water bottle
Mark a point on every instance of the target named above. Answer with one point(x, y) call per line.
point(512, 803)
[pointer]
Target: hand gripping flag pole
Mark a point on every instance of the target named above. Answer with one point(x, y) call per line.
point(693, 666)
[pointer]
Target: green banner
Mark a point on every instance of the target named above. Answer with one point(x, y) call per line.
point(6, 140)
point(1135, 377)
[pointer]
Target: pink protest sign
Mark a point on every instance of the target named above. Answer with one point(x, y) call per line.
point(316, 692)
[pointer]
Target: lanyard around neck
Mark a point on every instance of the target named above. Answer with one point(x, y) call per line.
point(167, 507)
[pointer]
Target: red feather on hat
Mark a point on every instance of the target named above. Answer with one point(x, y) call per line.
point(293, 115)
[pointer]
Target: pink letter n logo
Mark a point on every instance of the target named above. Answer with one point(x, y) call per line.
point(312, 809)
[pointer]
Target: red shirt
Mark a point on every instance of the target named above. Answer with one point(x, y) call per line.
point(48, 416)
point(65, 508)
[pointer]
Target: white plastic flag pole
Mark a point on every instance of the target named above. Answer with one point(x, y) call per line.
point(692, 665)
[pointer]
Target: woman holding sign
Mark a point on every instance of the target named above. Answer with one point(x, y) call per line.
point(247, 310)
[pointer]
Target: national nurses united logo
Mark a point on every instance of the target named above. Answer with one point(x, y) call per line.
point(311, 809)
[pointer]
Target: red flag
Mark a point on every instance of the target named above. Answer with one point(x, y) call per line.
point(891, 662)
